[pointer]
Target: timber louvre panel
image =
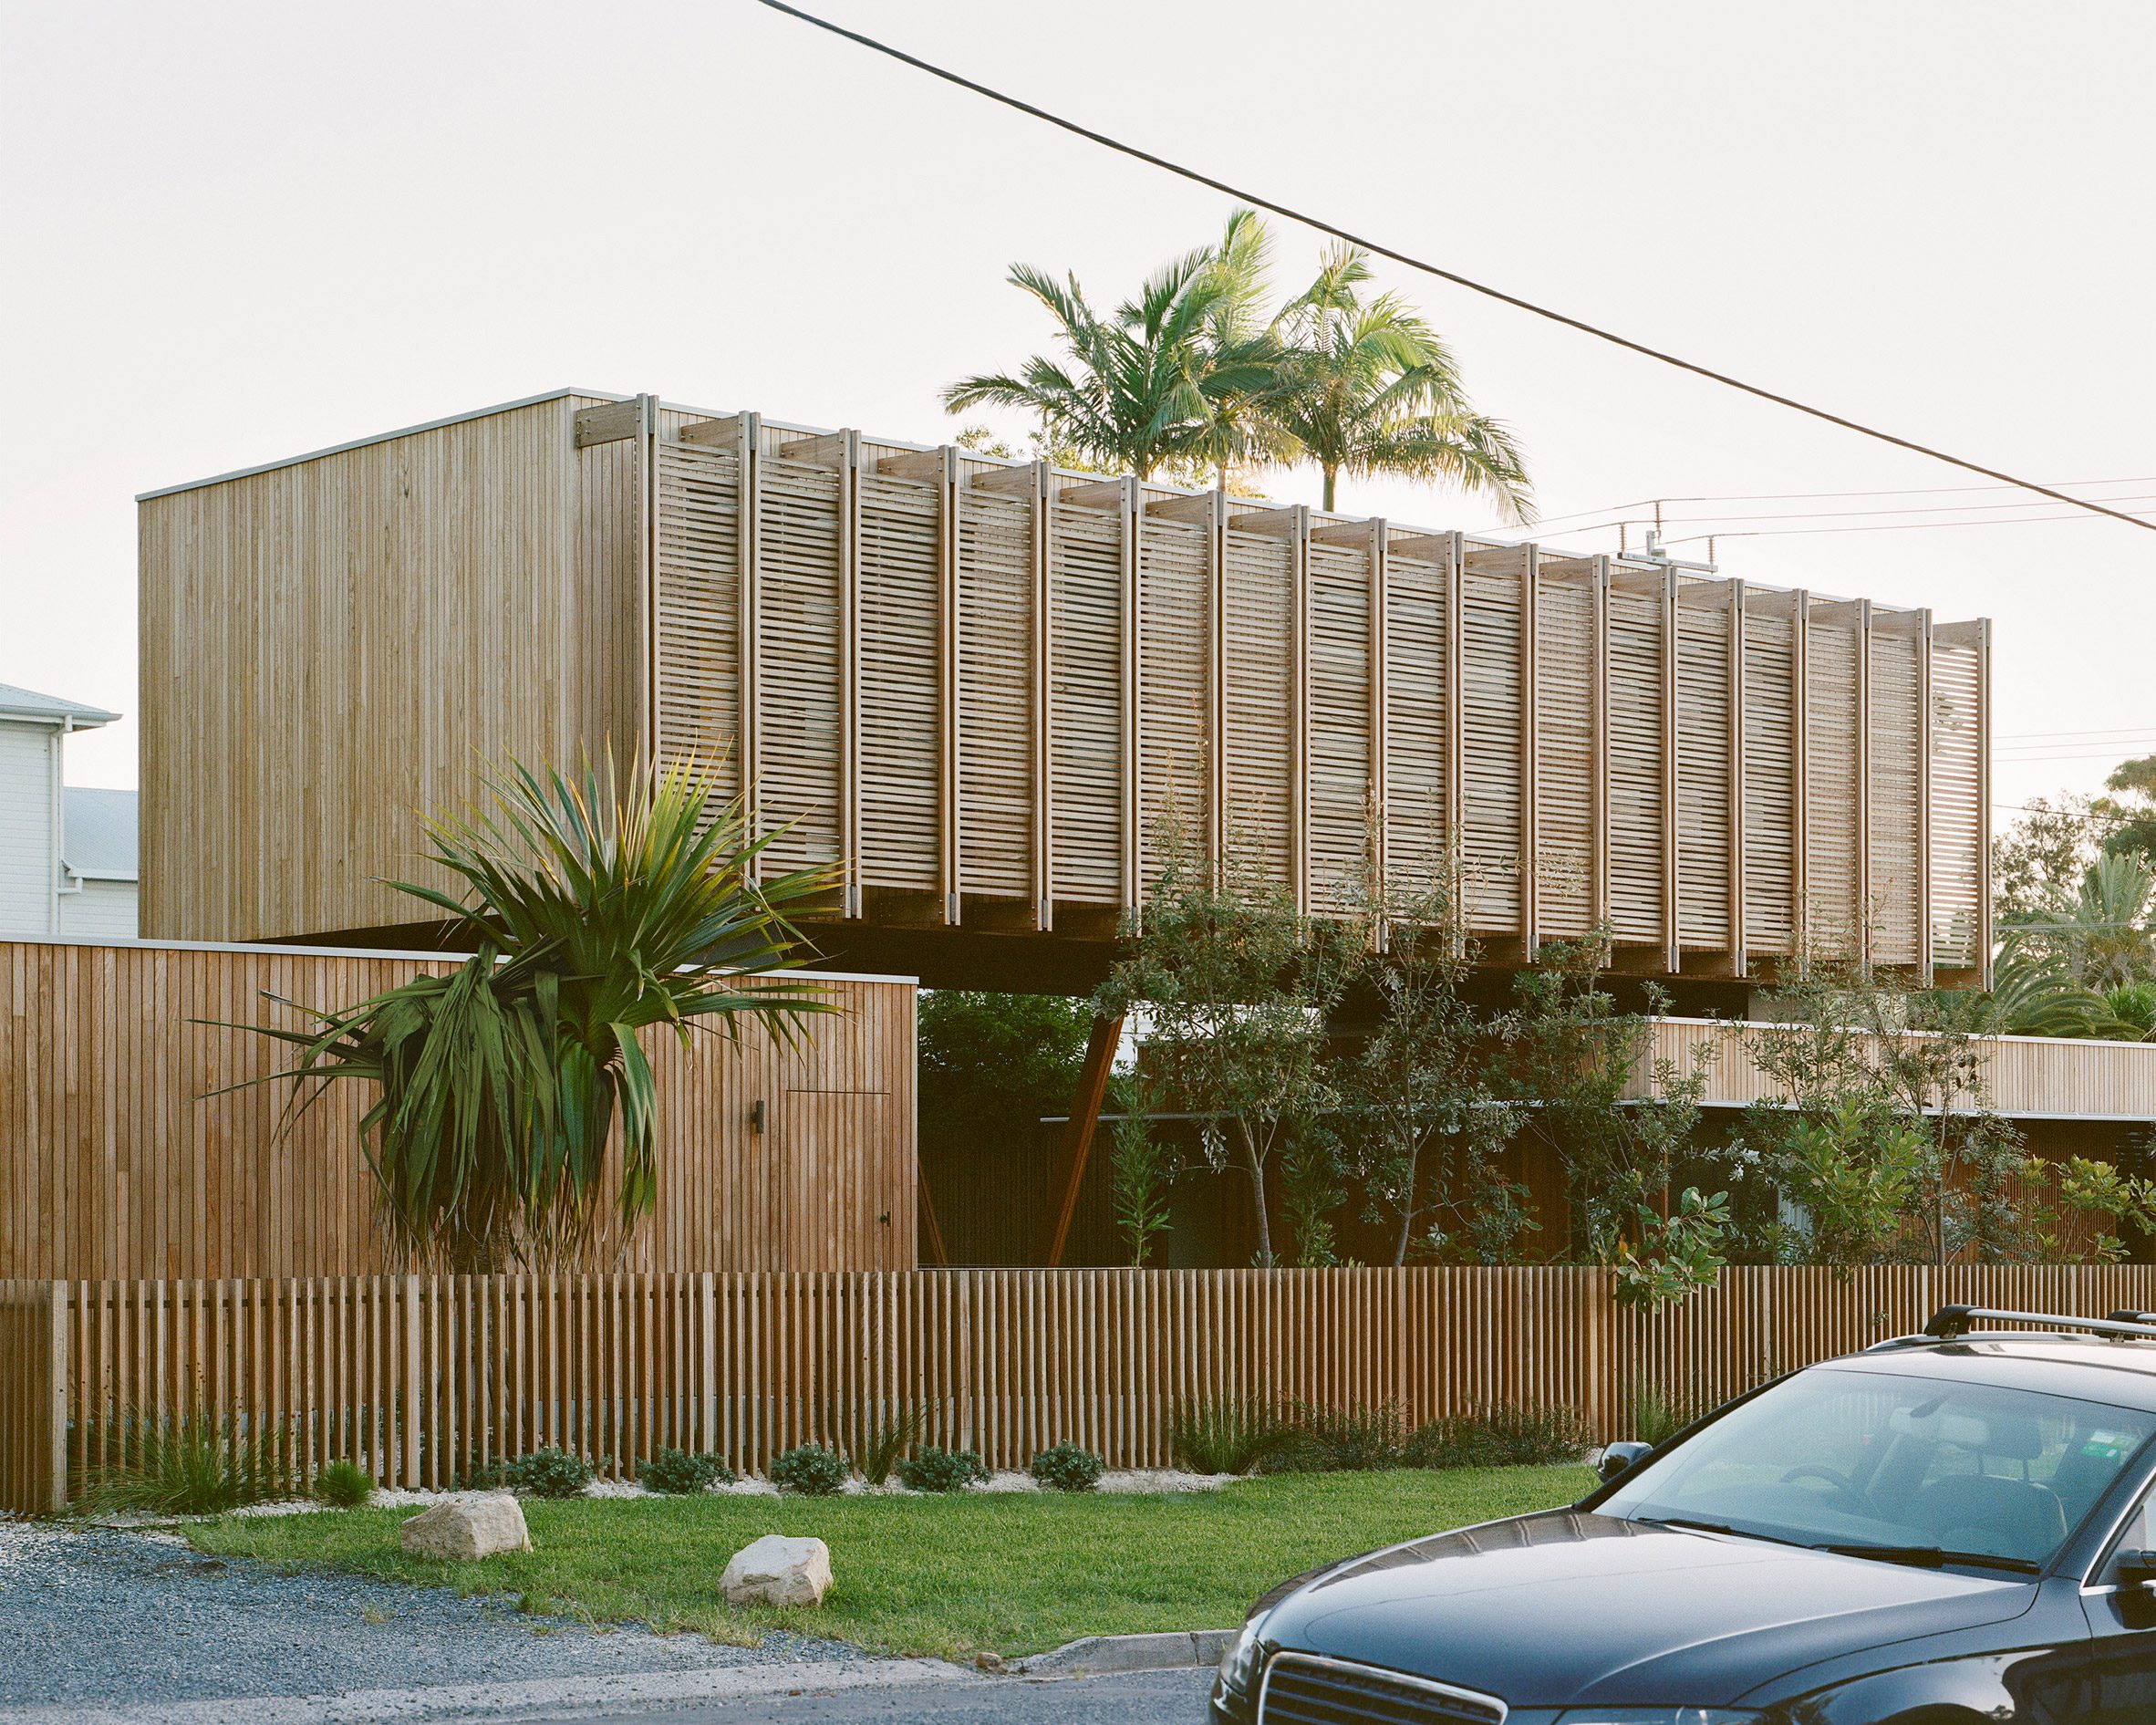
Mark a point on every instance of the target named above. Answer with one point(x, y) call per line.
point(1703, 791)
point(1415, 635)
point(1175, 627)
point(901, 723)
point(1957, 794)
point(1895, 734)
point(1770, 776)
point(1086, 727)
point(995, 629)
point(1259, 768)
point(1636, 649)
point(801, 683)
point(1565, 748)
point(1339, 744)
point(1494, 673)
point(1830, 917)
point(698, 606)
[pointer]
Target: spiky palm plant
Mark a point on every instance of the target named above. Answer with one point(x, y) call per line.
point(594, 911)
point(1140, 388)
point(1367, 387)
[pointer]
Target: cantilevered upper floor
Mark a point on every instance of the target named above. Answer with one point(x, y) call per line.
point(990, 687)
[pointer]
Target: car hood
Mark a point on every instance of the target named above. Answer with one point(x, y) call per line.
point(1568, 1606)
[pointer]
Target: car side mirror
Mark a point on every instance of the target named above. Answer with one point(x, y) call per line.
point(2137, 1574)
point(1621, 1458)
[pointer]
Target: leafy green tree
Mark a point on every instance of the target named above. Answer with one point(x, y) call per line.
point(1141, 1170)
point(991, 1067)
point(1233, 988)
point(2038, 861)
point(2131, 809)
point(595, 910)
point(1574, 1061)
point(1418, 1099)
point(1365, 387)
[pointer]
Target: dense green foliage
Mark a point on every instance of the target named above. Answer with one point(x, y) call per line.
point(1067, 1466)
point(680, 1471)
point(810, 1470)
point(344, 1485)
point(931, 1469)
point(595, 910)
point(1008, 1573)
point(992, 1065)
point(547, 1472)
point(1499, 1435)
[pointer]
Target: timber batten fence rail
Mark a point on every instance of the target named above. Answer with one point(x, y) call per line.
point(422, 1378)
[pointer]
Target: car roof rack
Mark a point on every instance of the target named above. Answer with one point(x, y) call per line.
point(1950, 1321)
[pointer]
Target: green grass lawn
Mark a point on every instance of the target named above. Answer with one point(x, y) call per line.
point(946, 1576)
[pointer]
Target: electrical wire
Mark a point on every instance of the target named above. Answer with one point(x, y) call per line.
point(1799, 496)
point(1290, 213)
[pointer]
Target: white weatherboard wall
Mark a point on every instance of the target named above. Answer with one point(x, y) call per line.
point(98, 911)
point(29, 838)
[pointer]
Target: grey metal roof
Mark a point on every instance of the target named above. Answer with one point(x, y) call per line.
point(28, 703)
point(99, 837)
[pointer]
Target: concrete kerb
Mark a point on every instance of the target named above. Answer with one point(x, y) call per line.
point(1098, 1655)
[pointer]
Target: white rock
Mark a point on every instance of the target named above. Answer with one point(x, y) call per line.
point(462, 1529)
point(778, 1571)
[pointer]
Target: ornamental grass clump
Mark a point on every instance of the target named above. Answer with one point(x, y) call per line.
point(1067, 1466)
point(1225, 1435)
point(935, 1470)
point(1499, 1435)
point(1325, 1440)
point(683, 1472)
point(814, 1469)
point(193, 1465)
point(553, 1473)
point(344, 1485)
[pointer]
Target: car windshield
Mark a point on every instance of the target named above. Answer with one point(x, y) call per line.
point(1912, 1468)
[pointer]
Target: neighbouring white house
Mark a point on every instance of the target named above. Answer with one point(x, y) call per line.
point(67, 856)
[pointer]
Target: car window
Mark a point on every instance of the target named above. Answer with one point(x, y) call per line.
point(1840, 1456)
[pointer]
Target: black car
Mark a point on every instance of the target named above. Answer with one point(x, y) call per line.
point(1947, 1529)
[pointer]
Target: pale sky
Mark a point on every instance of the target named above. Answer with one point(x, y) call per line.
point(235, 233)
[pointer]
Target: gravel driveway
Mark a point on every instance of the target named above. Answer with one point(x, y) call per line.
point(139, 1627)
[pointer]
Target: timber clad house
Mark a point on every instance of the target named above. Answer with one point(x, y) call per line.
point(985, 689)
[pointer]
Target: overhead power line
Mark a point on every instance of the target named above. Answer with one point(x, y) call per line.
point(1615, 511)
point(1289, 213)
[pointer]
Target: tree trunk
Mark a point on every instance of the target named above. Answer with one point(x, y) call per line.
point(1255, 1167)
point(1331, 485)
point(1406, 1209)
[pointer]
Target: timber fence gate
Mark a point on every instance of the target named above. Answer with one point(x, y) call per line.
point(421, 1379)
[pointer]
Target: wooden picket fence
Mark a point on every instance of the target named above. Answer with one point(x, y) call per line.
point(422, 1380)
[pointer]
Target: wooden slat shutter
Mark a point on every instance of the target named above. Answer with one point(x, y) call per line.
point(1085, 726)
point(1490, 861)
point(1770, 776)
point(1957, 794)
point(1260, 713)
point(1635, 765)
point(799, 692)
point(1339, 723)
point(699, 579)
point(1174, 633)
point(1703, 771)
point(1894, 860)
point(899, 721)
point(996, 688)
point(1565, 752)
point(1831, 916)
point(1416, 634)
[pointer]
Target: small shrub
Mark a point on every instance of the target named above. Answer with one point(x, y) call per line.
point(683, 1472)
point(814, 1469)
point(1226, 1437)
point(935, 1470)
point(1322, 1441)
point(344, 1485)
point(484, 1476)
point(1499, 1435)
point(547, 1474)
point(191, 1466)
point(1065, 1467)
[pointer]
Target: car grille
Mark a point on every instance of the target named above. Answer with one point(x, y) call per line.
point(1300, 1689)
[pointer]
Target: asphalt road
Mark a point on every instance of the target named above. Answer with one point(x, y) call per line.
point(1168, 1698)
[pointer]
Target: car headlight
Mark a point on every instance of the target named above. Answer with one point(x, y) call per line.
point(1245, 1658)
point(1658, 1716)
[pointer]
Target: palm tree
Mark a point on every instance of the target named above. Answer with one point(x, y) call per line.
point(1147, 387)
point(1368, 387)
point(593, 911)
point(1241, 355)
